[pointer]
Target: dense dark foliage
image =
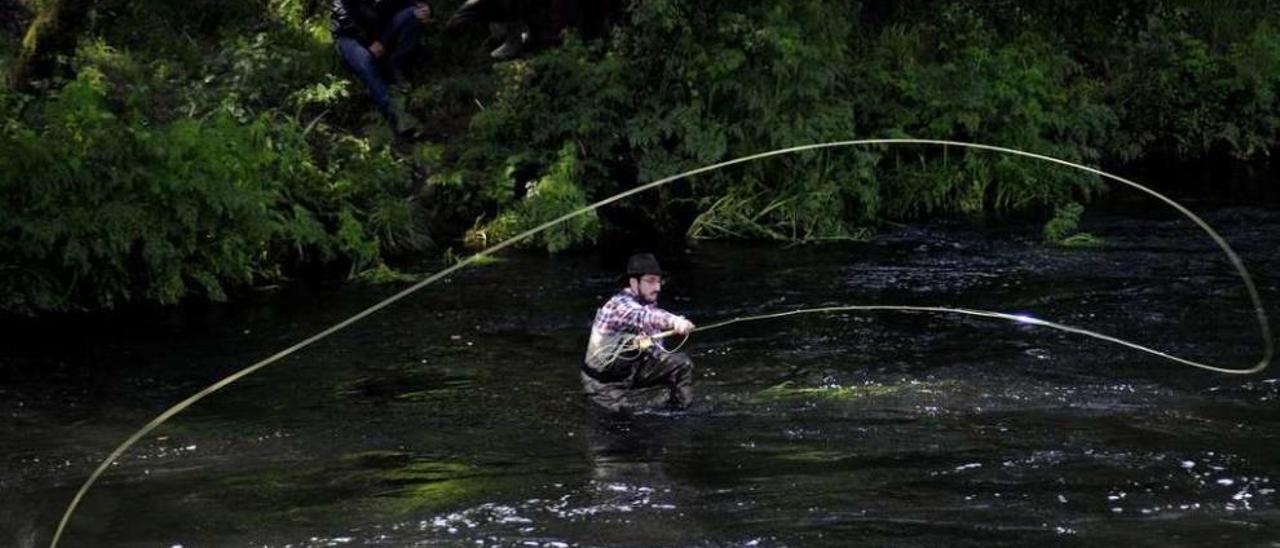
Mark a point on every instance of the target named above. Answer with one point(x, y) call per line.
point(155, 150)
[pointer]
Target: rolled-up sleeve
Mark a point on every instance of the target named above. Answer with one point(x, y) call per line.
point(650, 319)
point(623, 314)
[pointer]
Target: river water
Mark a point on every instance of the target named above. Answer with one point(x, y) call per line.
point(455, 417)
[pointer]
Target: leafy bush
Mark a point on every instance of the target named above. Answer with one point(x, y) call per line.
point(1061, 229)
point(1179, 96)
point(554, 195)
point(954, 79)
point(191, 148)
point(728, 82)
point(103, 207)
point(735, 79)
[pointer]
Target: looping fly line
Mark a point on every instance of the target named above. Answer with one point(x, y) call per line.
point(1268, 344)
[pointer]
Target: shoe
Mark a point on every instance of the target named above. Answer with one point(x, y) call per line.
point(512, 47)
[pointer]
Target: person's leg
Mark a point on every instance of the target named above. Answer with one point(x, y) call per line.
point(611, 396)
point(675, 371)
point(362, 62)
point(402, 38)
point(681, 380)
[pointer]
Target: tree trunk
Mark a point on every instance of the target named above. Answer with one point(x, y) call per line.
point(55, 30)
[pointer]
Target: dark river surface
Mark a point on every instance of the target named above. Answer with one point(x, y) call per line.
point(455, 417)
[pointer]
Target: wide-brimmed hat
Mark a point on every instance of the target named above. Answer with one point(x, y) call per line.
point(643, 263)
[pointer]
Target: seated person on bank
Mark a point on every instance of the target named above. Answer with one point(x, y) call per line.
point(378, 39)
point(614, 381)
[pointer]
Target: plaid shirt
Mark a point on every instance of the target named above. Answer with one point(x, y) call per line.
point(625, 315)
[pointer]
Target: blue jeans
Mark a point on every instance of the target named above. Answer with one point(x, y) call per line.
point(400, 38)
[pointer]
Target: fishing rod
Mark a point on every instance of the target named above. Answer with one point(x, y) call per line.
point(629, 347)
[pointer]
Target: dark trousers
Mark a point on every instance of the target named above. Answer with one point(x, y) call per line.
point(616, 388)
point(400, 38)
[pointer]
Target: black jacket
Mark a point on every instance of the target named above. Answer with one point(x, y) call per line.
point(363, 19)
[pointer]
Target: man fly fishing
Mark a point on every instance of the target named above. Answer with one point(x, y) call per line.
point(629, 320)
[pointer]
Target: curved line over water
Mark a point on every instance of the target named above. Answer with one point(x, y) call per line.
point(627, 347)
point(1263, 325)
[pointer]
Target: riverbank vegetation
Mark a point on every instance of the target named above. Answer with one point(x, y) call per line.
point(154, 151)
